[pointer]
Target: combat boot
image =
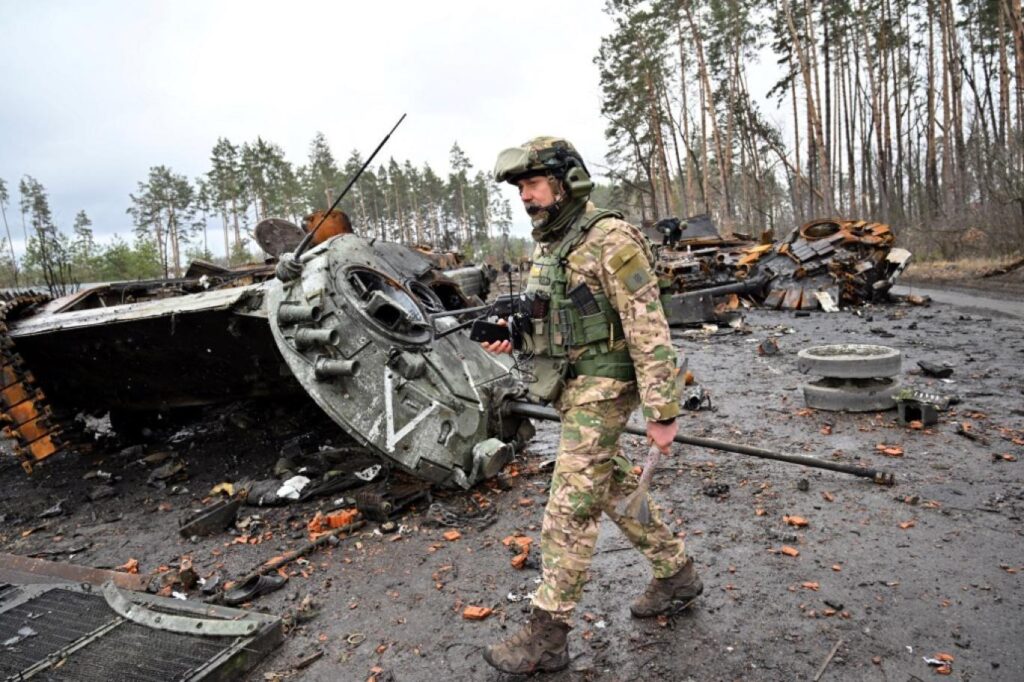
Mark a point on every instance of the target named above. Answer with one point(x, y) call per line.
point(540, 646)
point(674, 593)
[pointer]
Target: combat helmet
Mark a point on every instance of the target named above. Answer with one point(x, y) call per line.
point(556, 158)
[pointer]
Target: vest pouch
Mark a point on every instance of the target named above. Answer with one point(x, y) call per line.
point(549, 378)
point(593, 328)
point(540, 336)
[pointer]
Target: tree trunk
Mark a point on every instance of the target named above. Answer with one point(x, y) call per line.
point(10, 243)
point(708, 100)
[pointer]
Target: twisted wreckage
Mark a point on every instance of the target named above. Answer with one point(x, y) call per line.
point(372, 331)
point(821, 264)
point(363, 332)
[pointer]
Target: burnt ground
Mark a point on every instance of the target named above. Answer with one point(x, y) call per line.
point(931, 565)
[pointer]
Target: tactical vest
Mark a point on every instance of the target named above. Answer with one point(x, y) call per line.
point(565, 328)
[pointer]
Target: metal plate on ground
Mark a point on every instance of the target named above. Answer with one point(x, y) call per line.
point(68, 632)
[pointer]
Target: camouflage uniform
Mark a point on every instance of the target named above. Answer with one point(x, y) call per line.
point(591, 476)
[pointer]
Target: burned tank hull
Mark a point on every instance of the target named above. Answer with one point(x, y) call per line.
point(362, 332)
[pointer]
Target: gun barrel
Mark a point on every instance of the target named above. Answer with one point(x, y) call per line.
point(533, 411)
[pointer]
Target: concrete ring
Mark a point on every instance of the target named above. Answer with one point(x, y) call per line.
point(859, 395)
point(850, 361)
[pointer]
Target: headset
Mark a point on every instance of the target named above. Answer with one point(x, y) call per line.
point(573, 171)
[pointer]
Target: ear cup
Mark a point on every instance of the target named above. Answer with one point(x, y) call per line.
point(578, 182)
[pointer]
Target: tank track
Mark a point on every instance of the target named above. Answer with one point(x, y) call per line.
point(28, 421)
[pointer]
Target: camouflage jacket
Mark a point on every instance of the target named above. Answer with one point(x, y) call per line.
point(606, 260)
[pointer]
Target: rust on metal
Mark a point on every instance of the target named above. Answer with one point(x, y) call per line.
point(28, 420)
point(853, 261)
point(28, 570)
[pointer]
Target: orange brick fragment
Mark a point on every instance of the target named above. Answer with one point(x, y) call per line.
point(523, 542)
point(130, 566)
point(519, 561)
point(476, 612)
point(810, 585)
point(908, 524)
point(321, 523)
point(452, 535)
point(797, 521)
point(790, 551)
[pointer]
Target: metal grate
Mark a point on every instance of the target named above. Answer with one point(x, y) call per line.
point(58, 617)
point(77, 635)
point(143, 654)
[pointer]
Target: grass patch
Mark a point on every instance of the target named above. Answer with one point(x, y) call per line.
point(963, 268)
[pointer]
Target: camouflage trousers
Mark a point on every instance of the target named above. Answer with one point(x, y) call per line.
point(592, 477)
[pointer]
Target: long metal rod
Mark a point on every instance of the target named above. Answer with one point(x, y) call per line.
point(301, 248)
point(882, 477)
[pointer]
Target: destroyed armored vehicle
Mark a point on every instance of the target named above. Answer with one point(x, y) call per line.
point(363, 330)
point(822, 264)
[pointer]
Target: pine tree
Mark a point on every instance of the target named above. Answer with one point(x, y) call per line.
point(5, 199)
point(164, 209)
point(48, 249)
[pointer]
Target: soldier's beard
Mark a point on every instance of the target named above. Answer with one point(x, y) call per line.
point(542, 215)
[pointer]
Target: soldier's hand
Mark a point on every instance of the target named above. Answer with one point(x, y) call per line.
point(662, 435)
point(498, 347)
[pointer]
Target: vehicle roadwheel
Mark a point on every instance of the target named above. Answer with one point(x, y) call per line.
point(854, 395)
point(850, 361)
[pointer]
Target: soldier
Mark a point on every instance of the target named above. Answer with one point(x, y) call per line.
point(600, 347)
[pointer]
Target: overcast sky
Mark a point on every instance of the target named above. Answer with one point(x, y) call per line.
point(94, 93)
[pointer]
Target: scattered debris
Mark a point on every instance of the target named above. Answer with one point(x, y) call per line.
point(696, 398)
point(36, 570)
point(24, 632)
point(211, 520)
point(828, 659)
point(55, 510)
point(889, 450)
point(824, 263)
point(717, 490)
point(942, 662)
point(915, 408)
point(966, 429)
point(292, 488)
point(337, 519)
point(253, 587)
point(768, 347)
point(382, 500)
point(476, 612)
point(936, 371)
point(101, 492)
point(277, 562)
point(225, 488)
